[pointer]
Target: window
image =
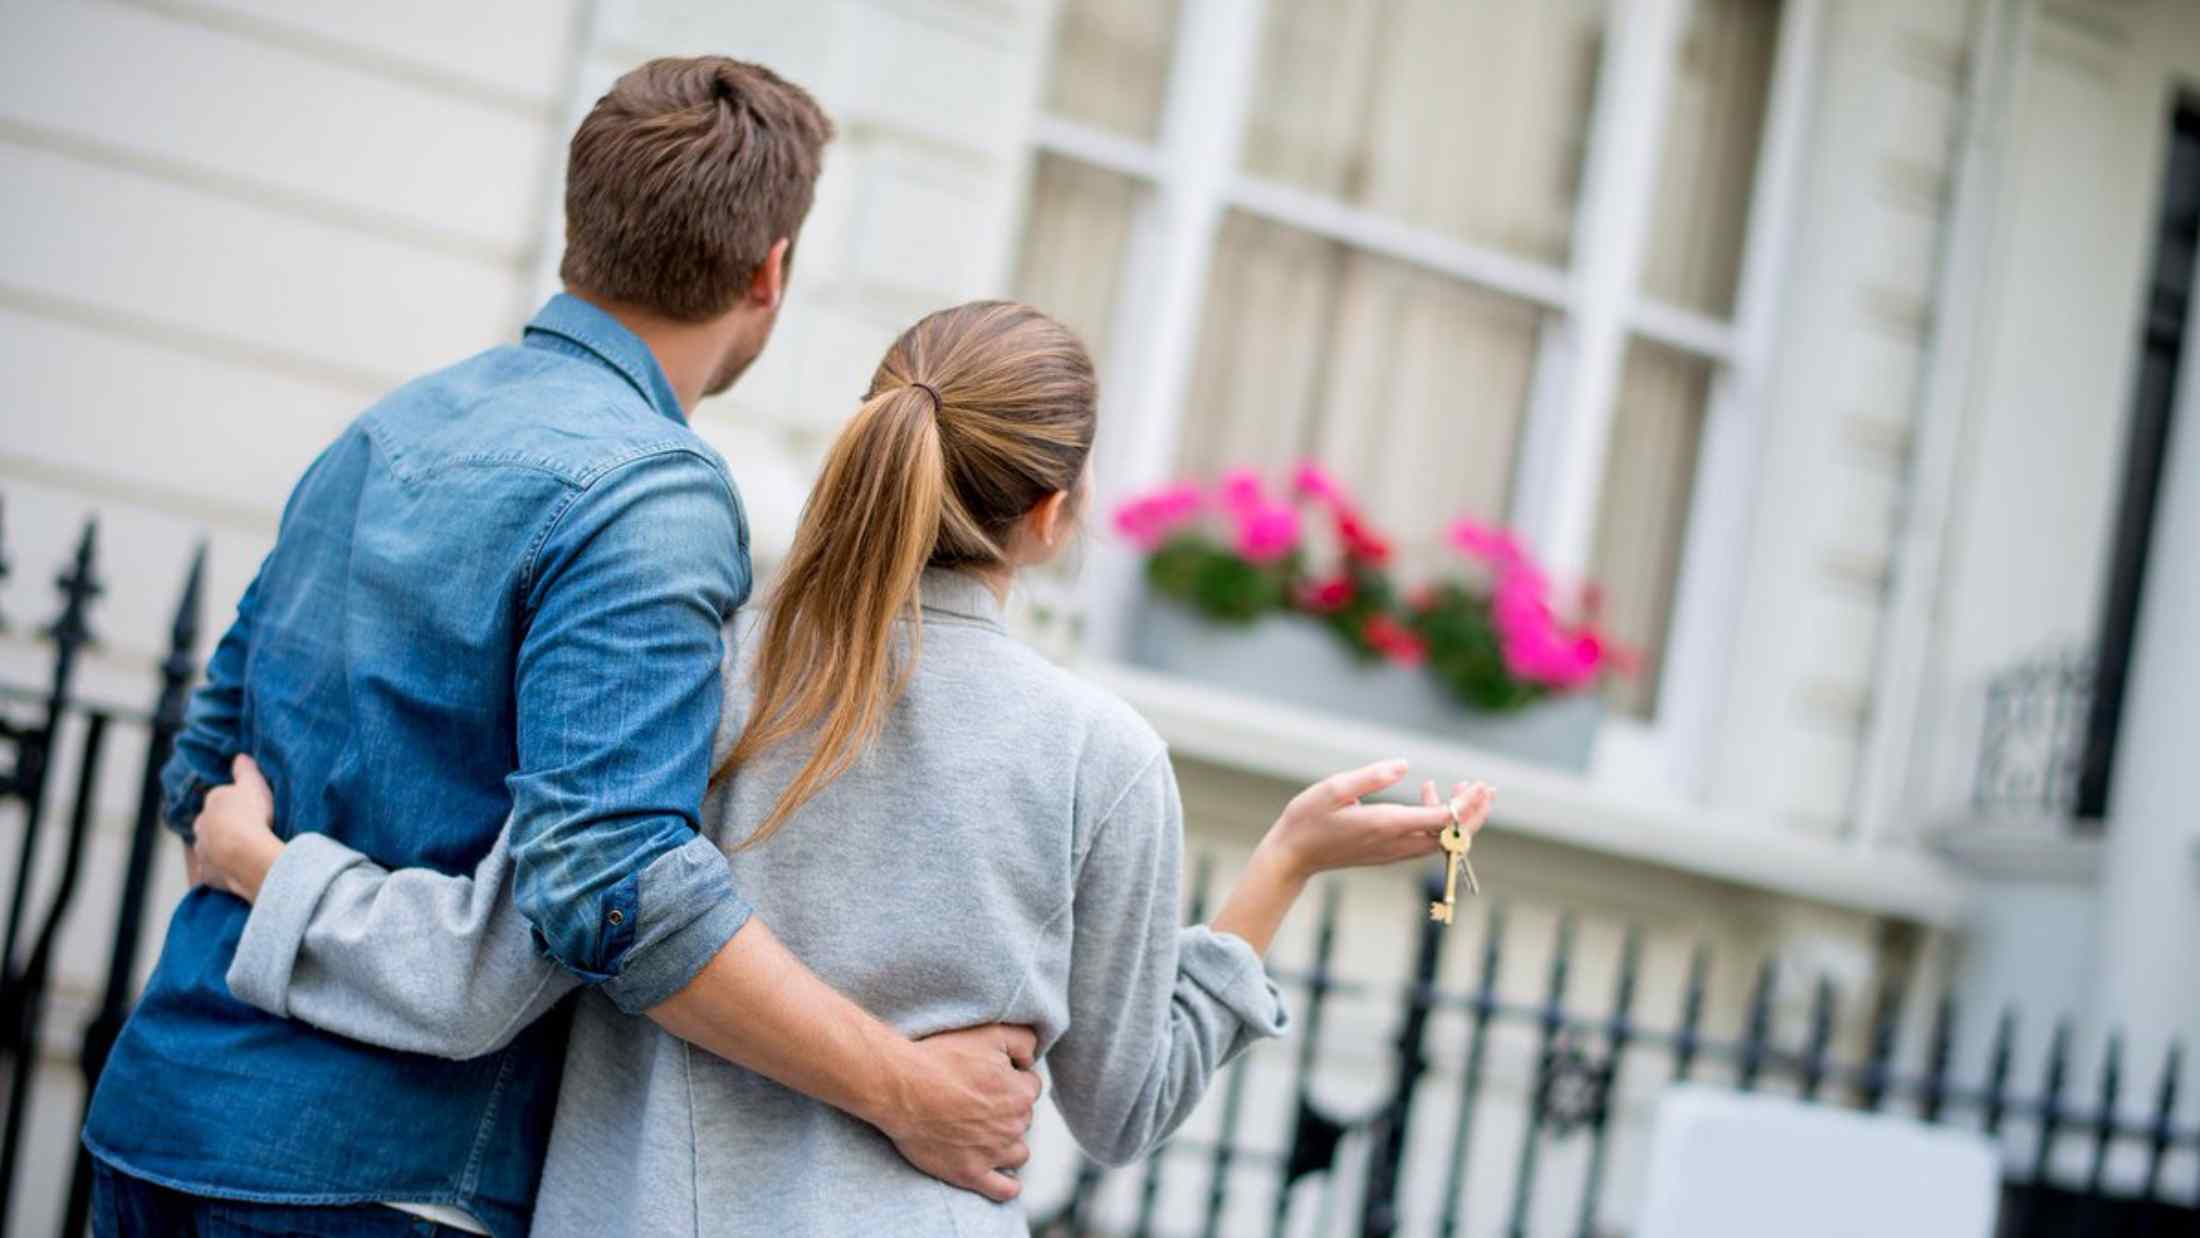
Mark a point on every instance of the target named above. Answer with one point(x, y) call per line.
point(1312, 348)
point(1487, 259)
point(1111, 64)
point(1071, 261)
point(1354, 102)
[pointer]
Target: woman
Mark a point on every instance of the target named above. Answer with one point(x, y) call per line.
point(943, 825)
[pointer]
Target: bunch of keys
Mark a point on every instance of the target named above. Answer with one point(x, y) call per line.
point(1455, 841)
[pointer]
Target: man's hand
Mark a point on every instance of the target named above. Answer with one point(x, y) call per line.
point(957, 1105)
point(965, 1106)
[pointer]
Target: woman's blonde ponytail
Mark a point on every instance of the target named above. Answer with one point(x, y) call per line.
point(848, 578)
point(977, 415)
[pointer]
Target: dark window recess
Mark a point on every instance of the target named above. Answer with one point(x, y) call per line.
point(2161, 343)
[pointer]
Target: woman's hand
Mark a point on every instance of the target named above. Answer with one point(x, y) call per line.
point(1326, 827)
point(236, 833)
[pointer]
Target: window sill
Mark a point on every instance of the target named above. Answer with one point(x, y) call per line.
point(1298, 745)
point(2019, 848)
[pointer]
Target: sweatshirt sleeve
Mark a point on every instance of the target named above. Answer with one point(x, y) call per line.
point(1155, 1010)
point(415, 959)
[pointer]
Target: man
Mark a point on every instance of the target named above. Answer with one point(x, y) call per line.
point(500, 592)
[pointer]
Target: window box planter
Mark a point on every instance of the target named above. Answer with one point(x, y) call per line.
point(1293, 659)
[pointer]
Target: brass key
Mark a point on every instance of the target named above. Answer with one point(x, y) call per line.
point(1449, 840)
point(1455, 842)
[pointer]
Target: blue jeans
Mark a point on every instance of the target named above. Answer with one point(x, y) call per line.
point(127, 1207)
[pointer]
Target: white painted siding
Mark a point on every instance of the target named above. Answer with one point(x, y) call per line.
point(918, 207)
point(2034, 508)
point(1841, 405)
point(281, 209)
point(231, 224)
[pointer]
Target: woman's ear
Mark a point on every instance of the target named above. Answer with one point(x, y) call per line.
point(1048, 523)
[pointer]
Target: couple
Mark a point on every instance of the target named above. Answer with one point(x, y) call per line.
point(560, 826)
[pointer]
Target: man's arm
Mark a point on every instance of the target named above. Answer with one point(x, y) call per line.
point(956, 1105)
point(617, 691)
point(213, 726)
point(433, 963)
point(210, 734)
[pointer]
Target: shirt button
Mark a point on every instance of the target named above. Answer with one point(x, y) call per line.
point(616, 918)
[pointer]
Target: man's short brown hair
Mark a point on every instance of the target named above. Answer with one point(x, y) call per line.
point(681, 179)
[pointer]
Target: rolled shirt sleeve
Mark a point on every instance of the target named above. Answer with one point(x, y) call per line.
point(618, 681)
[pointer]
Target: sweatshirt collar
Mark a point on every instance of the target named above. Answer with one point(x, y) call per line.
point(945, 591)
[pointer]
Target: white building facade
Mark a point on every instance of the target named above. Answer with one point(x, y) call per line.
point(1811, 328)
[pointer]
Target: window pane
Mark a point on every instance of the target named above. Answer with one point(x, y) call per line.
point(1408, 385)
point(1111, 63)
point(1643, 514)
point(1074, 240)
point(1465, 119)
point(1710, 153)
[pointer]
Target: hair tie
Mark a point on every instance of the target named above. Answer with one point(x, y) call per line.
point(928, 389)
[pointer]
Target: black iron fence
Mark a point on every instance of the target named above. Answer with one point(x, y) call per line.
point(1581, 1060)
point(1585, 1049)
point(33, 724)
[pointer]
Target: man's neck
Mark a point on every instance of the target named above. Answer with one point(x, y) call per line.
point(688, 352)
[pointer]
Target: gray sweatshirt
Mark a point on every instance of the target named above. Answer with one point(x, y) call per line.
point(1008, 851)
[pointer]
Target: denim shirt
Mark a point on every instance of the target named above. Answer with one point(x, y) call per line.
point(499, 594)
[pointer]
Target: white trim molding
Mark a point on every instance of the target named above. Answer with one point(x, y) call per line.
point(1563, 453)
point(1298, 746)
point(1157, 314)
point(1707, 599)
point(1885, 782)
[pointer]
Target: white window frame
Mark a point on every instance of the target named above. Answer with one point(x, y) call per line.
point(1593, 307)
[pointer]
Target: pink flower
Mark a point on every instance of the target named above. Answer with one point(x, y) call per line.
point(1148, 521)
point(1361, 542)
point(1267, 531)
point(1313, 482)
point(1536, 647)
point(1135, 522)
point(1610, 654)
point(1182, 500)
point(1552, 659)
point(1519, 605)
point(1326, 597)
point(1393, 640)
point(1241, 490)
point(1494, 547)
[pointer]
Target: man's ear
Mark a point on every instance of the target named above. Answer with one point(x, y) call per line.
point(770, 281)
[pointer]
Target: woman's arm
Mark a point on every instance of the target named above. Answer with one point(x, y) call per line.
point(415, 959)
point(1326, 827)
point(431, 963)
point(1157, 1010)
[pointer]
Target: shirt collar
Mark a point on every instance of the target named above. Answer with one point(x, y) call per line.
point(959, 594)
point(572, 326)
